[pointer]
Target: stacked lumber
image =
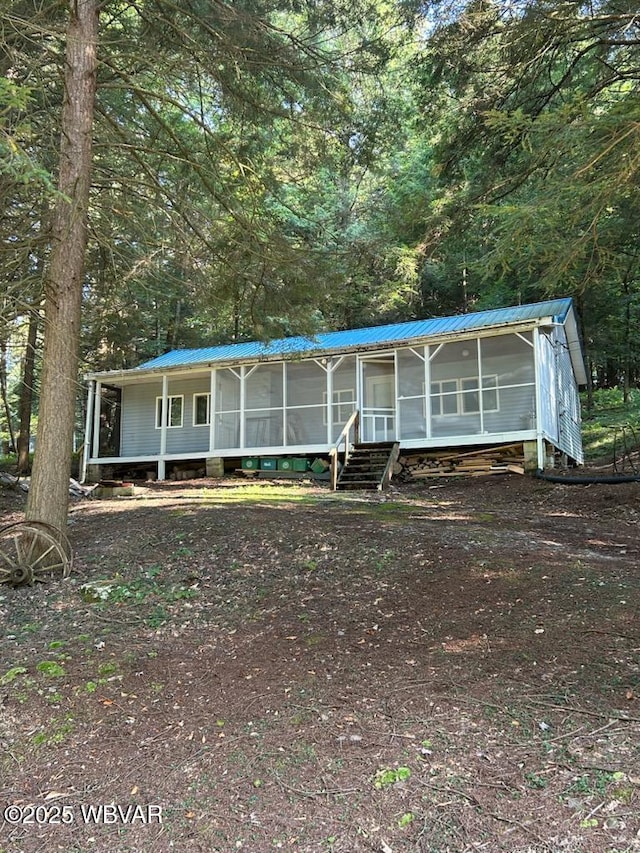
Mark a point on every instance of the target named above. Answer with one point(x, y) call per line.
point(497, 459)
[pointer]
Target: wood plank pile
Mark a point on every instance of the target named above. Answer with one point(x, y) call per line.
point(426, 464)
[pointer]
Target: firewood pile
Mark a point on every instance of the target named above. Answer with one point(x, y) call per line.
point(474, 463)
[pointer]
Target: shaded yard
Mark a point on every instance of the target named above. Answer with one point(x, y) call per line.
point(450, 667)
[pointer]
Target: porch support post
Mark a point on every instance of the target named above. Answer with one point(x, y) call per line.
point(243, 392)
point(164, 411)
point(396, 402)
point(480, 383)
point(360, 397)
point(97, 406)
point(88, 438)
point(329, 374)
point(212, 410)
point(427, 389)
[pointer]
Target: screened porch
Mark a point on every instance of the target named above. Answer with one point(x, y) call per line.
point(428, 395)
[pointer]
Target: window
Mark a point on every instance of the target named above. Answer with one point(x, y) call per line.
point(470, 396)
point(461, 396)
point(343, 405)
point(490, 401)
point(201, 409)
point(174, 411)
point(444, 397)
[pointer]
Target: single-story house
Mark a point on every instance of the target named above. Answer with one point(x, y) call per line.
point(482, 378)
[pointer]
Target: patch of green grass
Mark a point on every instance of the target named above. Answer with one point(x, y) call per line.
point(139, 590)
point(54, 698)
point(535, 781)
point(386, 777)
point(406, 820)
point(29, 628)
point(380, 561)
point(56, 733)
point(595, 783)
point(261, 493)
point(51, 668)
point(484, 516)
point(157, 617)
point(389, 510)
point(11, 675)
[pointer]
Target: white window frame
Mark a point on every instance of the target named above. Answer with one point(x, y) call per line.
point(452, 395)
point(170, 402)
point(488, 389)
point(206, 422)
point(461, 395)
point(339, 400)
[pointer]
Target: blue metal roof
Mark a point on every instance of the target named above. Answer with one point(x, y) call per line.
point(356, 339)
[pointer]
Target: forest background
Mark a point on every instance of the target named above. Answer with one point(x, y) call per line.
point(271, 167)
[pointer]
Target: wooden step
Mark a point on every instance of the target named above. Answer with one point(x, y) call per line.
point(367, 465)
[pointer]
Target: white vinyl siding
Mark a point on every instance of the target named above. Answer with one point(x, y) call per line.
point(140, 432)
point(568, 400)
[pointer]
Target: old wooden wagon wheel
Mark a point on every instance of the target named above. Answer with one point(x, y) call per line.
point(32, 551)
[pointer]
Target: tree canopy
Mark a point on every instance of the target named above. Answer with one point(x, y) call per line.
point(281, 167)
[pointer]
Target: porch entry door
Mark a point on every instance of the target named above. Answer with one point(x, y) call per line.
point(378, 383)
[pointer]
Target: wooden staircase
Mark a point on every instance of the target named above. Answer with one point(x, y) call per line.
point(368, 466)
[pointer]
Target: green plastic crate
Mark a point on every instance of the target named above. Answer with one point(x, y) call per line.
point(250, 463)
point(300, 464)
point(268, 463)
point(285, 464)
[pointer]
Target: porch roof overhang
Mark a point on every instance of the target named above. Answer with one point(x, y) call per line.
point(370, 339)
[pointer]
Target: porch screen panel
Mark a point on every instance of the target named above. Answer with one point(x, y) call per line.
point(344, 395)
point(306, 414)
point(508, 372)
point(454, 391)
point(264, 400)
point(411, 394)
point(227, 414)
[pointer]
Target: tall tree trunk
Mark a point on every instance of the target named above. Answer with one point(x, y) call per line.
point(26, 392)
point(49, 493)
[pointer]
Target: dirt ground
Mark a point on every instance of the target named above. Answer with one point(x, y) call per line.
point(453, 666)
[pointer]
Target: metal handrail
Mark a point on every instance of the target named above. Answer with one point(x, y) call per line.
point(343, 438)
